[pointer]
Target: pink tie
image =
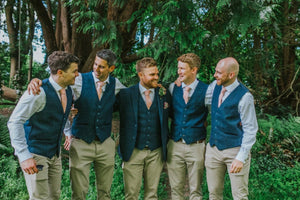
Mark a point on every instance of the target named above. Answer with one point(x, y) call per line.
point(221, 96)
point(99, 89)
point(186, 94)
point(63, 98)
point(147, 98)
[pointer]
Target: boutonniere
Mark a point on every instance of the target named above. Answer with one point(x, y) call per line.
point(162, 91)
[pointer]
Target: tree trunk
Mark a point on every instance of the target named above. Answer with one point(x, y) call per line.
point(288, 54)
point(258, 71)
point(29, 73)
point(48, 31)
point(81, 44)
point(8, 93)
point(12, 34)
point(64, 18)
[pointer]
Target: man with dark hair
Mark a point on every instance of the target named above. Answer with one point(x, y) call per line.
point(89, 138)
point(36, 127)
point(143, 131)
point(233, 131)
point(94, 95)
point(186, 148)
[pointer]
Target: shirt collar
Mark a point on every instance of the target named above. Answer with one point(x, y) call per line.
point(96, 79)
point(54, 84)
point(193, 85)
point(231, 87)
point(143, 89)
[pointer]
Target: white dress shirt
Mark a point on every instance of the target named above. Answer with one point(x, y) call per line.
point(246, 109)
point(26, 107)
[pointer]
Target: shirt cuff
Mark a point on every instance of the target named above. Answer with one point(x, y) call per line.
point(242, 155)
point(24, 156)
point(68, 133)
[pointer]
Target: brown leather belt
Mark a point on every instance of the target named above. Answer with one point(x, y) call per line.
point(196, 142)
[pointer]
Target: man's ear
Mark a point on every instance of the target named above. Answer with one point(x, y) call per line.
point(59, 72)
point(194, 70)
point(231, 75)
point(112, 68)
point(140, 74)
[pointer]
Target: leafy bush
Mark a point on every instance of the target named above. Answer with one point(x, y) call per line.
point(5, 146)
point(278, 138)
point(12, 183)
point(280, 184)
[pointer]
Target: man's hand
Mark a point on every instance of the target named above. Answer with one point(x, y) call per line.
point(72, 114)
point(236, 166)
point(34, 86)
point(178, 82)
point(29, 166)
point(67, 142)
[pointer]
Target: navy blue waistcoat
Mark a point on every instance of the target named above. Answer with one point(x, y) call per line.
point(148, 132)
point(94, 117)
point(188, 122)
point(44, 129)
point(226, 127)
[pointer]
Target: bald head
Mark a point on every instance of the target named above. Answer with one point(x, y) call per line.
point(230, 65)
point(227, 70)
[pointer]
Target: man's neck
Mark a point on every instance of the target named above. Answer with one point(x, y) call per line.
point(190, 81)
point(57, 80)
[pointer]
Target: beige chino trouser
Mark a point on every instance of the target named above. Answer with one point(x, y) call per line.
point(82, 155)
point(186, 160)
point(216, 163)
point(45, 185)
point(143, 163)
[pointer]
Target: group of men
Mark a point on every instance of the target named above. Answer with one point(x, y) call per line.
point(38, 122)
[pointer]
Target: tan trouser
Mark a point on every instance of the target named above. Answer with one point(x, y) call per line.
point(46, 183)
point(216, 163)
point(142, 163)
point(185, 158)
point(82, 155)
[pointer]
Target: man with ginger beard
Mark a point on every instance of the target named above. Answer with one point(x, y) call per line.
point(143, 131)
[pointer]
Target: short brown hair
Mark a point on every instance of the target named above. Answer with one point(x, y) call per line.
point(145, 63)
point(61, 60)
point(190, 58)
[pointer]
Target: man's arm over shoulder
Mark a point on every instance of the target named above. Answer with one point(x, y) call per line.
point(209, 93)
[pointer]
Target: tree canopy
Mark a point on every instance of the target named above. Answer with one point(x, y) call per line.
point(263, 35)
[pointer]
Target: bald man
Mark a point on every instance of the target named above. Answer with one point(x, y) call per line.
point(233, 131)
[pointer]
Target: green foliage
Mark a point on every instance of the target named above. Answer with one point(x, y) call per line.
point(4, 64)
point(277, 184)
point(278, 138)
point(5, 146)
point(12, 183)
